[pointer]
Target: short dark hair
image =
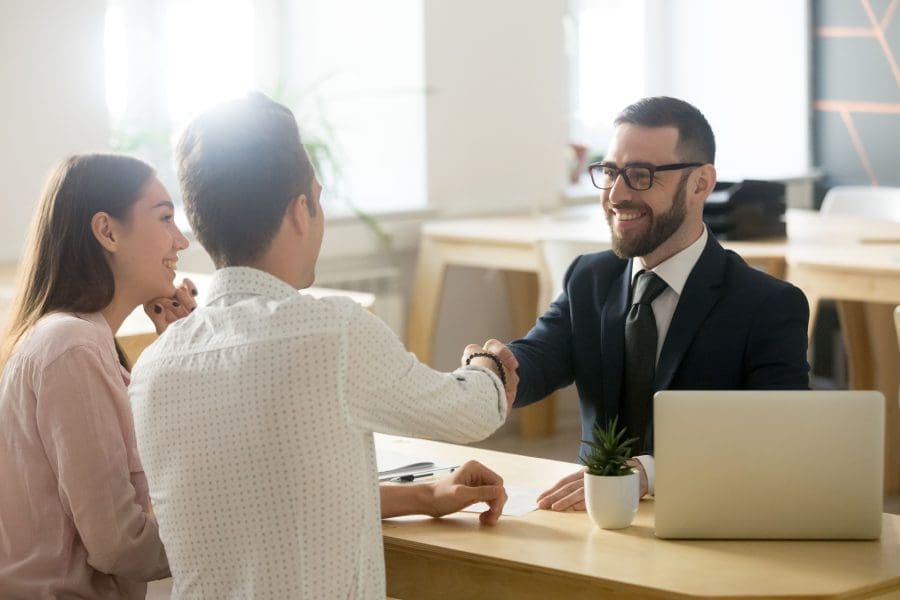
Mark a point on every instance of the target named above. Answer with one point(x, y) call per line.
point(239, 165)
point(696, 142)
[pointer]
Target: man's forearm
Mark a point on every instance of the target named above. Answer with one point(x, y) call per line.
point(406, 499)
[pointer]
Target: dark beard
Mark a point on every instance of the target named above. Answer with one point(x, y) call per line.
point(661, 228)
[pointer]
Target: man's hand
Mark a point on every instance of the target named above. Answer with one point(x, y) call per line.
point(566, 494)
point(163, 311)
point(639, 467)
point(471, 483)
point(507, 359)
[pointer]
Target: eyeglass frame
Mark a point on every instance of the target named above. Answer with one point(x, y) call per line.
point(649, 166)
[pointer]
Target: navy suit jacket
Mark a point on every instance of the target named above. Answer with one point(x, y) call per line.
point(734, 328)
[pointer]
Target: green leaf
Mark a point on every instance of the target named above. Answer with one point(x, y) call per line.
point(608, 452)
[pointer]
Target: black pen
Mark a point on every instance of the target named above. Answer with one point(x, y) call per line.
point(414, 476)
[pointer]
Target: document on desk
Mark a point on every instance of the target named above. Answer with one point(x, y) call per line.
point(402, 468)
point(520, 501)
point(391, 464)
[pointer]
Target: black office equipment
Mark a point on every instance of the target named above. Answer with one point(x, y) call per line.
point(746, 210)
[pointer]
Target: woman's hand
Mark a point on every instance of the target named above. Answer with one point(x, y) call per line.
point(163, 311)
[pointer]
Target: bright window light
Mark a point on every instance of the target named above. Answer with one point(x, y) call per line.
point(355, 84)
point(603, 82)
point(210, 54)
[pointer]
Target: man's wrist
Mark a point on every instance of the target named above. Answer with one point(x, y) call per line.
point(407, 499)
point(490, 361)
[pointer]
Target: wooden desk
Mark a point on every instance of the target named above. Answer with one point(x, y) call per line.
point(562, 555)
point(137, 331)
point(865, 278)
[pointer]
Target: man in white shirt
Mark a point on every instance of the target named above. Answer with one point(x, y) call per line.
point(668, 307)
point(254, 415)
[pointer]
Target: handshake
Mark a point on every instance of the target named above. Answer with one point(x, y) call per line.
point(499, 359)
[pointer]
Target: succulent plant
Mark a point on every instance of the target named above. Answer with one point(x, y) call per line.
point(608, 452)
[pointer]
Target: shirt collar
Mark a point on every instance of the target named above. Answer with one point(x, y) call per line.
point(676, 269)
point(247, 281)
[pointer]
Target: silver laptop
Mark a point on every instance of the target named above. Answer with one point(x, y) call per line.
point(769, 464)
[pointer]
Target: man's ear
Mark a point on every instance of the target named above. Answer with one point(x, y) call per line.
point(103, 228)
point(705, 181)
point(298, 214)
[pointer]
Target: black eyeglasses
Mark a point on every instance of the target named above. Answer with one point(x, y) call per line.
point(638, 176)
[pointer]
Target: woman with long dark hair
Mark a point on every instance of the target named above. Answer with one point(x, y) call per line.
point(74, 502)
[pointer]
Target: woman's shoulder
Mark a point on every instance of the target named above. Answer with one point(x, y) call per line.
point(57, 333)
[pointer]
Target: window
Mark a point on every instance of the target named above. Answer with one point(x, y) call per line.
point(604, 79)
point(355, 84)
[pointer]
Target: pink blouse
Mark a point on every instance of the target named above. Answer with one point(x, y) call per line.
point(73, 495)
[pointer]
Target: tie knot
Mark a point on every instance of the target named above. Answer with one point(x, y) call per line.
point(647, 287)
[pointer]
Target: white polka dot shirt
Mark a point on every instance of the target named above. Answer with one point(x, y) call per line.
point(254, 418)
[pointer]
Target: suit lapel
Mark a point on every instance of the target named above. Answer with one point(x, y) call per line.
point(612, 337)
point(701, 292)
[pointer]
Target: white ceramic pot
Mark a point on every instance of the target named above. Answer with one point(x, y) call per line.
point(612, 501)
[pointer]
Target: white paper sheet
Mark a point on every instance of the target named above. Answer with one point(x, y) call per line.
point(521, 501)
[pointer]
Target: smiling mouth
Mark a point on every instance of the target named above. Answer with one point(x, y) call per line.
point(170, 263)
point(628, 215)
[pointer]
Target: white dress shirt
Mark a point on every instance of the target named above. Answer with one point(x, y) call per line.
point(254, 417)
point(674, 271)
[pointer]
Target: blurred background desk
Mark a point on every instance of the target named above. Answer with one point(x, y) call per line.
point(563, 555)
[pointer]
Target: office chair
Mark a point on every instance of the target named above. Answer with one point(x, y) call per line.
point(863, 201)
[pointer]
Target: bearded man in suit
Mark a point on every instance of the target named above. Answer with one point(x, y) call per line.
point(668, 307)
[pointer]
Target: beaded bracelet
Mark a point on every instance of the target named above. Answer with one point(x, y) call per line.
point(500, 370)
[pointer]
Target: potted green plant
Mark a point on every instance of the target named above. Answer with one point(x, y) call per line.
point(611, 487)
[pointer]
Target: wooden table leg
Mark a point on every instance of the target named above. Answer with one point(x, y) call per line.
point(856, 335)
point(872, 363)
point(425, 304)
point(879, 322)
point(539, 419)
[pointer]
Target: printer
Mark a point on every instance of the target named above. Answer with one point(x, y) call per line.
point(746, 210)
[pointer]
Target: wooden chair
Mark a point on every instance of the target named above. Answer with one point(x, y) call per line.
point(897, 327)
point(558, 255)
point(897, 323)
point(864, 326)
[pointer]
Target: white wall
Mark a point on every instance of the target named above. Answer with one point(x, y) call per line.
point(496, 112)
point(52, 102)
